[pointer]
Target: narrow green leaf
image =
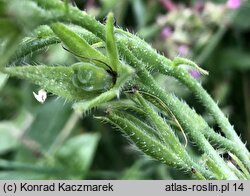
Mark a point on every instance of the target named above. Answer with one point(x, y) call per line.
point(66, 3)
point(5, 164)
point(21, 175)
point(139, 11)
point(44, 130)
point(27, 14)
point(57, 80)
point(3, 79)
point(8, 44)
point(12, 130)
point(78, 153)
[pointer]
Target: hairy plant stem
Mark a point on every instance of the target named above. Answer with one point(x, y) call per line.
point(175, 106)
point(37, 44)
point(213, 108)
point(144, 59)
point(155, 61)
point(165, 66)
point(174, 143)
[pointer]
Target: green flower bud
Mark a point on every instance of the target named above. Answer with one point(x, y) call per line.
point(91, 78)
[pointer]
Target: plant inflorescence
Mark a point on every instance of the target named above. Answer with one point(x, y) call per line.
point(116, 70)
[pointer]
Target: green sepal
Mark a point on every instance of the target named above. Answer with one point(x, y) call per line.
point(111, 42)
point(84, 106)
point(78, 45)
point(241, 165)
point(213, 167)
point(144, 142)
point(151, 131)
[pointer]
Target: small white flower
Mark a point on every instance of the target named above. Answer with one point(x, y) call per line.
point(41, 96)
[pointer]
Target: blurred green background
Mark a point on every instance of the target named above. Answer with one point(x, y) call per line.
point(49, 141)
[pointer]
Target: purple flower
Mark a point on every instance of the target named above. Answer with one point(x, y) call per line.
point(199, 6)
point(195, 73)
point(166, 32)
point(168, 4)
point(233, 4)
point(183, 50)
